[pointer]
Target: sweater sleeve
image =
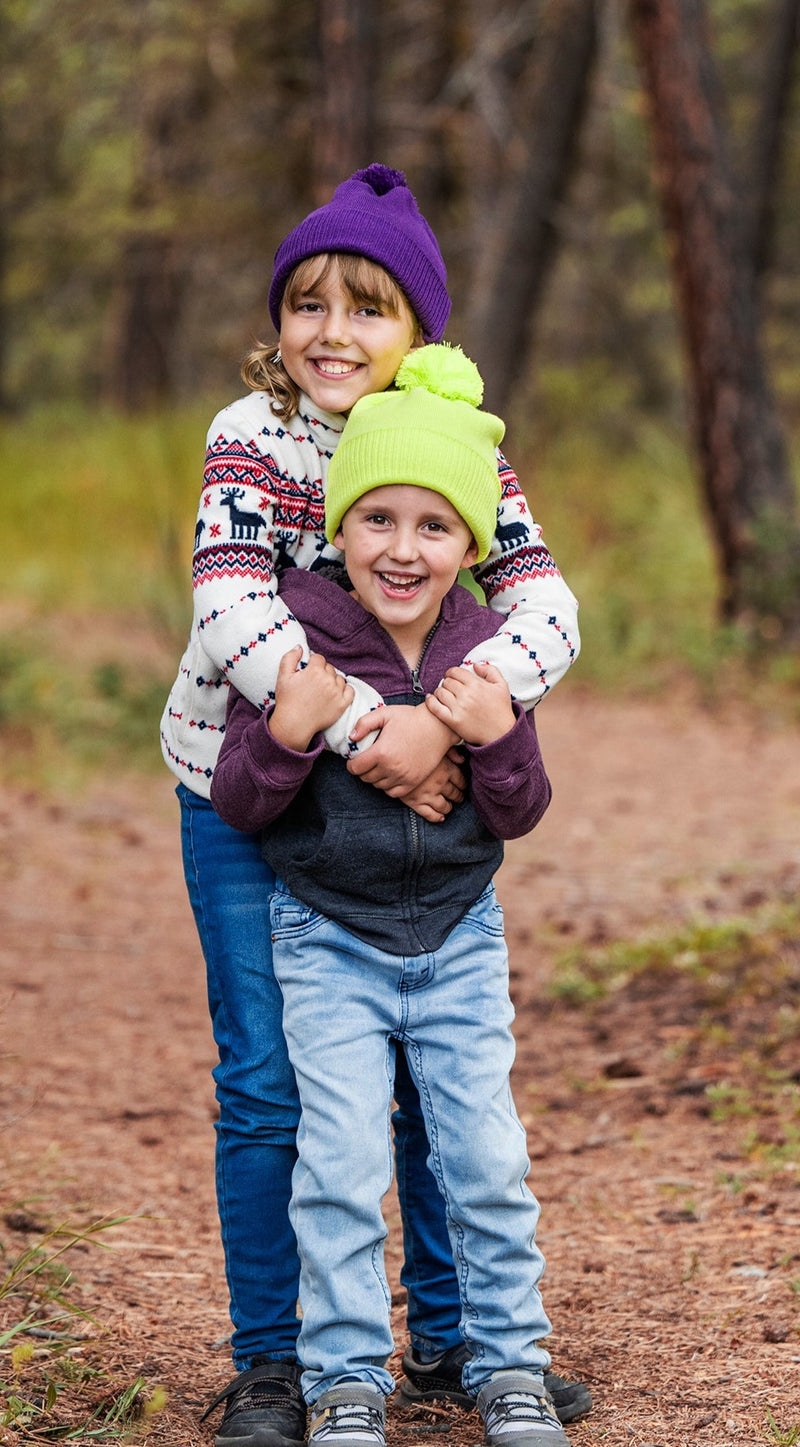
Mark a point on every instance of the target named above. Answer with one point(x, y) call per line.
point(256, 777)
point(509, 787)
point(537, 639)
point(242, 622)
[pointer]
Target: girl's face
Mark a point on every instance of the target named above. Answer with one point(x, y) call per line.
point(339, 344)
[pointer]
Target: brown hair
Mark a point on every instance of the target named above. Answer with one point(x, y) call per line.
point(367, 283)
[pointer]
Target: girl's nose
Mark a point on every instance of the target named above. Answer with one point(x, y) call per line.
point(336, 327)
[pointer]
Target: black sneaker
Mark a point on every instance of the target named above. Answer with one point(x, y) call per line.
point(265, 1408)
point(440, 1381)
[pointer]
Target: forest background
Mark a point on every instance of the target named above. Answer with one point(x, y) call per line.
point(615, 187)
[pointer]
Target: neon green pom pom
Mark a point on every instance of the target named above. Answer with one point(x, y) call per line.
point(444, 370)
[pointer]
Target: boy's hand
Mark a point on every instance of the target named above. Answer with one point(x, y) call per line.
point(410, 744)
point(475, 702)
point(307, 700)
point(434, 798)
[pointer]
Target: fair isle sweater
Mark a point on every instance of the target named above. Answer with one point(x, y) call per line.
point(262, 511)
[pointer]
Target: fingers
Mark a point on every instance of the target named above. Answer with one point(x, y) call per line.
point(367, 724)
point(290, 660)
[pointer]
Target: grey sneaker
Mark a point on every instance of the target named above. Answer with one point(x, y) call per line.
point(517, 1412)
point(351, 1415)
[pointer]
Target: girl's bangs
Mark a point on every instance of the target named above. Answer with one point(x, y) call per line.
point(366, 281)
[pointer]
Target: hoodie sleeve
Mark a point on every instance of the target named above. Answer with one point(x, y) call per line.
point(509, 787)
point(256, 777)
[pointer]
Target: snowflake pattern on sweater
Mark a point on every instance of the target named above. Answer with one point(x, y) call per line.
point(262, 510)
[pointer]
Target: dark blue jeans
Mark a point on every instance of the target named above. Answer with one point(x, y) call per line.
point(230, 886)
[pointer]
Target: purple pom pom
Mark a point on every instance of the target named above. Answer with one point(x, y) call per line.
point(380, 178)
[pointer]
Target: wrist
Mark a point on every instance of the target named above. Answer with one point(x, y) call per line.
point(288, 731)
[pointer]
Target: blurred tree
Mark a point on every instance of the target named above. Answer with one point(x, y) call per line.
point(747, 480)
point(344, 125)
point(528, 75)
point(769, 144)
point(169, 105)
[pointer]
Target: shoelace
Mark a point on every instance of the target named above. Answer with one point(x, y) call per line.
point(516, 1409)
point(260, 1394)
point(343, 1417)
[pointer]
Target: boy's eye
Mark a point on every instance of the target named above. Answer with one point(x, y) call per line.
point(378, 519)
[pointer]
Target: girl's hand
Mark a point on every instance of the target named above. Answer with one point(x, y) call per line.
point(307, 700)
point(475, 702)
point(434, 798)
point(410, 744)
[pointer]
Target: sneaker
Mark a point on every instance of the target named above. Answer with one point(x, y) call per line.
point(349, 1416)
point(265, 1408)
point(517, 1412)
point(440, 1381)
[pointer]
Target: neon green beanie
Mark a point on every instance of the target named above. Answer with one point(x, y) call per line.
point(427, 430)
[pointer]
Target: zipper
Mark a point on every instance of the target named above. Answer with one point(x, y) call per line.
point(415, 672)
point(417, 688)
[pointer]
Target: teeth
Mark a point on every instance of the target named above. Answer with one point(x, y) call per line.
point(336, 369)
point(400, 581)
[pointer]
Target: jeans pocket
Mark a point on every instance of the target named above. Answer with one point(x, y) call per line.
point(486, 914)
point(289, 916)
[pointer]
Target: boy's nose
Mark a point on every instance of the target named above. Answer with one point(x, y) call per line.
point(404, 545)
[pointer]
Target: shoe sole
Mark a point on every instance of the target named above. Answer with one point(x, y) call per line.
point(579, 1405)
point(414, 1395)
point(262, 1437)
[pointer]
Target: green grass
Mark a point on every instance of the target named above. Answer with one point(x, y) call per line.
point(50, 1388)
point(731, 990)
point(99, 515)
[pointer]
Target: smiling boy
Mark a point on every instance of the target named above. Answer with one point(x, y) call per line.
point(386, 929)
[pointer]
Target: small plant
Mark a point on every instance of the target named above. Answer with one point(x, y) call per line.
point(38, 1281)
point(780, 1436)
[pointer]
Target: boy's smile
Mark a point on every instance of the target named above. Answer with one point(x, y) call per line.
point(403, 547)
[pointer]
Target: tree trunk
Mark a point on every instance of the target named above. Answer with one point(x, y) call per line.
point(517, 237)
point(149, 293)
point(744, 464)
point(344, 127)
point(770, 132)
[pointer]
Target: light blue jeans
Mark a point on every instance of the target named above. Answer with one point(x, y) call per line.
point(347, 1007)
point(229, 887)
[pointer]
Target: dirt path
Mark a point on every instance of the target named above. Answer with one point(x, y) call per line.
point(673, 1260)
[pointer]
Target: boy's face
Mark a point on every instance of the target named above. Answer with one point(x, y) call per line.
point(338, 348)
point(403, 547)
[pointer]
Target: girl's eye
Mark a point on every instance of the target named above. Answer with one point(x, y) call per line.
point(370, 311)
point(308, 306)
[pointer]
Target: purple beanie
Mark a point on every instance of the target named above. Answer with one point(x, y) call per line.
point(373, 214)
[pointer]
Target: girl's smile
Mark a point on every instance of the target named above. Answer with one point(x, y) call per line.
point(337, 347)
